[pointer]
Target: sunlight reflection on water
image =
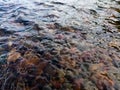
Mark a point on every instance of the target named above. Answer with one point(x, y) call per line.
point(86, 13)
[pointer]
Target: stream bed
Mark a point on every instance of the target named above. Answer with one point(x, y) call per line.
point(59, 45)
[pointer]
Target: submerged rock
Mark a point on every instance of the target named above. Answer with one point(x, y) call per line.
point(67, 69)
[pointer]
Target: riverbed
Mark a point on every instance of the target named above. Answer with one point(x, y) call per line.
point(60, 44)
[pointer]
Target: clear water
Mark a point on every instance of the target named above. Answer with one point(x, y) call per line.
point(96, 22)
point(99, 18)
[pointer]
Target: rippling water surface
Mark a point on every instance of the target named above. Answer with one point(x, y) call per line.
point(92, 14)
point(51, 37)
point(99, 19)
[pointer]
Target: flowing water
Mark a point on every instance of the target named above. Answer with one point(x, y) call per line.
point(100, 18)
point(97, 22)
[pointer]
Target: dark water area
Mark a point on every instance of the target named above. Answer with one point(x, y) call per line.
point(59, 44)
